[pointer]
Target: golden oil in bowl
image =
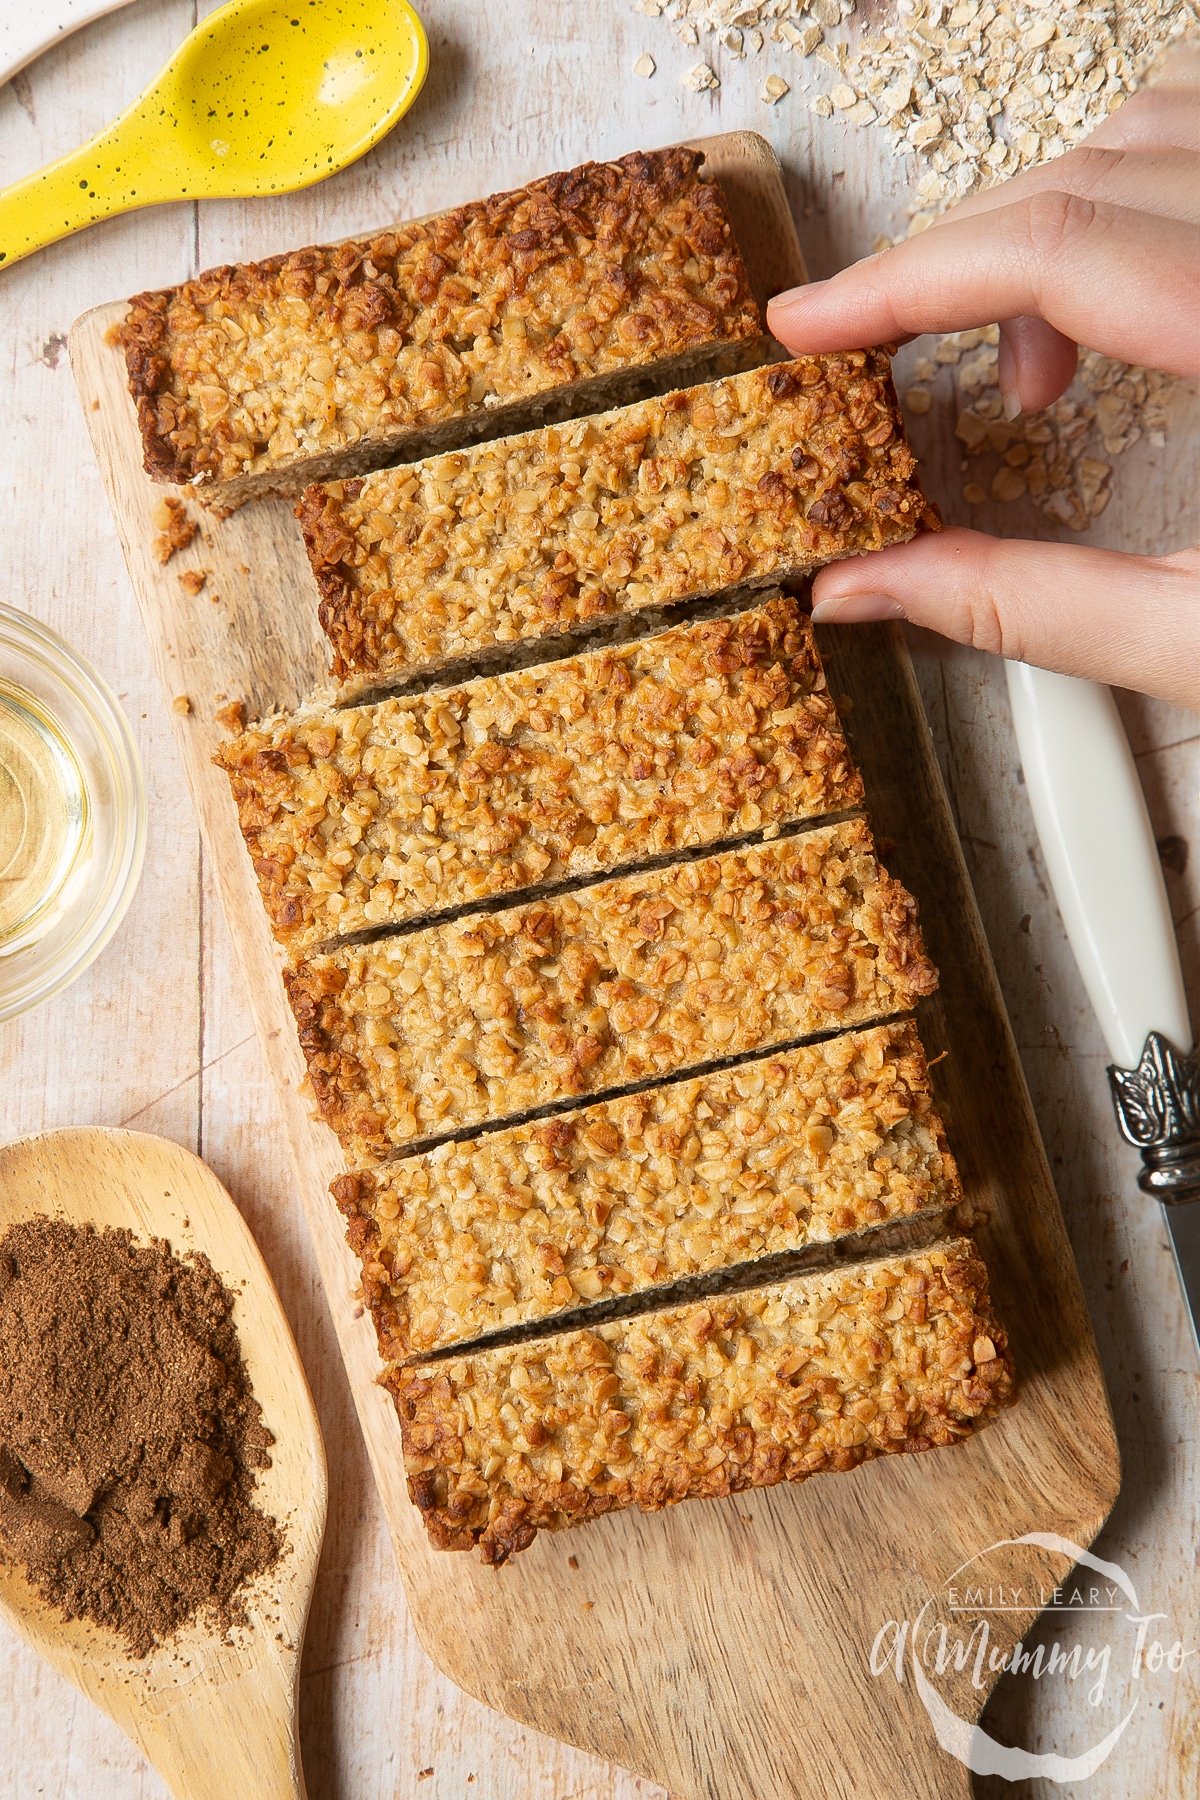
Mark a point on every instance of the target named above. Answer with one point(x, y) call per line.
point(45, 818)
point(72, 813)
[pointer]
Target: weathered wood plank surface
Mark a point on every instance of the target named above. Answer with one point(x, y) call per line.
point(158, 1035)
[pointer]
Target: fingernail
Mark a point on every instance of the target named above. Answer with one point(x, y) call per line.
point(790, 296)
point(1006, 380)
point(857, 609)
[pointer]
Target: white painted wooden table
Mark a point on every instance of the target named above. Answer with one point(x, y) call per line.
point(155, 1036)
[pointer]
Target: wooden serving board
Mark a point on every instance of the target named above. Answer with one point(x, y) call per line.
point(721, 1648)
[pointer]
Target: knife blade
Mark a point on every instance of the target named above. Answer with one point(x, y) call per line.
point(1102, 860)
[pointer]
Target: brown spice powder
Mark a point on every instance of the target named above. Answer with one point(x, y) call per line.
point(129, 1435)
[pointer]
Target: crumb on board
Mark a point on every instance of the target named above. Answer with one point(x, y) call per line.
point(112, 336)
point(231, 716)
point(774, 88)
point(586, 1605)
point(176, 528)
point(96, 404)
point(572, 1562)
point(645, 66)
point(193, 580)
point(425, 1774)
point(181, 705)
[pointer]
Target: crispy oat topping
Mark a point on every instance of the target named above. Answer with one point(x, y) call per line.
point(792, 1150)
point(744, 481)
point(378, 815)
point(256, 378)
point(733, 1392)
point(491, 1016)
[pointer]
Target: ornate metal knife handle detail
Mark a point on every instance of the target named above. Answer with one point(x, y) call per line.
point(1158, 1109)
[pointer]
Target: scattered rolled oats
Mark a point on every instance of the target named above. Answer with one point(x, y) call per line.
point(774, 88)
point(645, 67)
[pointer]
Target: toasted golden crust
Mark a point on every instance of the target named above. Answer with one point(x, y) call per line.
point(491, 1016)
point(752, 479)
point(772, 1156)
point(738, 1391)
point(379, 815)
point(262, 376)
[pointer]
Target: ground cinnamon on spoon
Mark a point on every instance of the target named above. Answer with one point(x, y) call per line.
point(129, 1435)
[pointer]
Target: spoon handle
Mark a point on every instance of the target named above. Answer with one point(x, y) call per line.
point(229, 1738)
point(102, 178)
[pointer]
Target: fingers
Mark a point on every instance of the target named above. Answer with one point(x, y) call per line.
point(1099, 274)
point(1157, 118)
point(1035, 364)
point(1133, 621)
point(1151, 179)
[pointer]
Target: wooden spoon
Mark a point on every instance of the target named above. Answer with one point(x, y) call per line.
point(217, 1720)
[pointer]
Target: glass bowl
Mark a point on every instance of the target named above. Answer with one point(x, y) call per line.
point(72, 813)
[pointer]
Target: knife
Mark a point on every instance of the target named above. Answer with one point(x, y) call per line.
point(1103, 864)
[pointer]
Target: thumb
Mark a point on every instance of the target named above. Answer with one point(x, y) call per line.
point(1132, 621)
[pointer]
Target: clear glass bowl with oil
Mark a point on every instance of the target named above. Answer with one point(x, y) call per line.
point(72, 813)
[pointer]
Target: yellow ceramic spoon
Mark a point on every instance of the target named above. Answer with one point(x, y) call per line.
point(262, 97)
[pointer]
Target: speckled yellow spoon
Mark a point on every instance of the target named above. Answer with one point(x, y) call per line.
point(264, 96)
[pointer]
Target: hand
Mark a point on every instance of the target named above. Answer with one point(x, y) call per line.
point(1100, 247)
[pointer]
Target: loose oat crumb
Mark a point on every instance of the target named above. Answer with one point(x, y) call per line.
point(95, 405)
point(587, 1605)
point(572, 1562)
point(424, 1774)
point(176, 528)
point(774, 88)
point(1008, 484)
point(181, 705)
point(918, 400)
point(645, 67)
point(700, 78)
point(231, 716)
point(193, 580)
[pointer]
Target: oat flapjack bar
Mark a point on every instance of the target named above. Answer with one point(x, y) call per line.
point(494, 1015)
point(797, 1149)
point(569, 292)
point(381, 814)
point(735, 1391)
point(745, 481)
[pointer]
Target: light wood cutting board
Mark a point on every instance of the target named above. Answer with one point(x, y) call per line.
point(721, 1648)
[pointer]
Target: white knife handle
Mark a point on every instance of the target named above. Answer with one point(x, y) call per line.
point(32, 26)
point(1101, 856)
